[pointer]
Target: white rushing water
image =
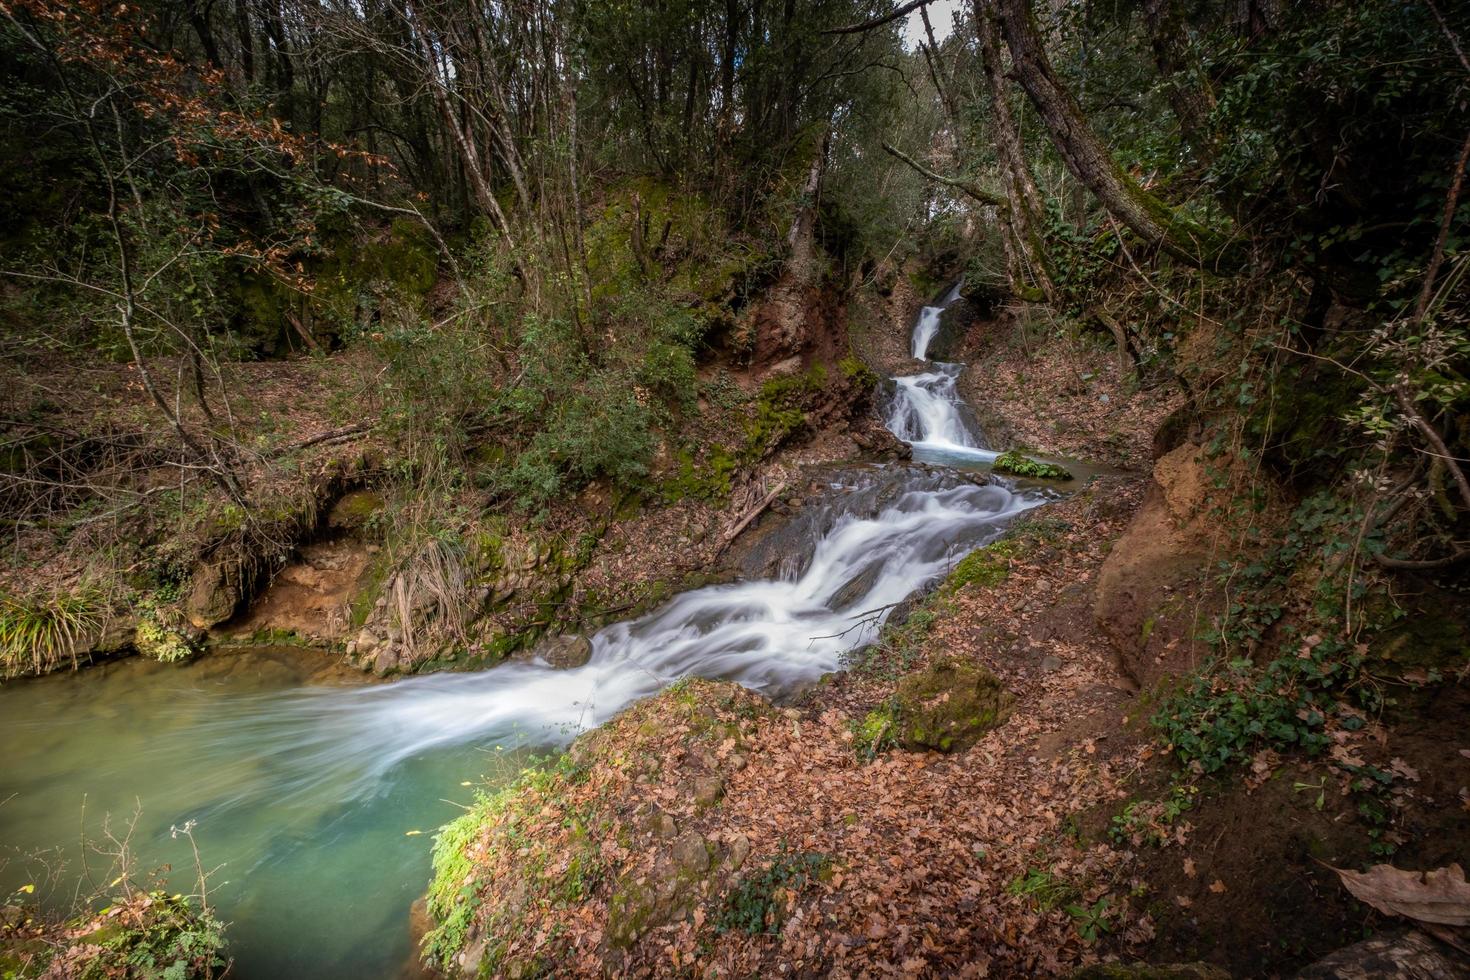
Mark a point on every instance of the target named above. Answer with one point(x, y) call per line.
point(312, 799)
point(771, 635)
point(926, 410)
point(928, 323)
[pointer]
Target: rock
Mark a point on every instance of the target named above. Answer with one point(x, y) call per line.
point(949, 706)
point(214, 594)
point(386, 661)
point(690, 853)
point(1405, 955)
point(707, 790)
point(565, 651)
point(660, 824)
point(739, 850)
point(1050, 663)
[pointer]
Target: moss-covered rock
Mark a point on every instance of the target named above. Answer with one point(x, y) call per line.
point(949, 706)
point(352, 511)
point(1017, 464)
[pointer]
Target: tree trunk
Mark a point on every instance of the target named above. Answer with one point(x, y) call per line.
point(469, 155)
point(1090, 161)
point(1028, 254)
point(1189, 96)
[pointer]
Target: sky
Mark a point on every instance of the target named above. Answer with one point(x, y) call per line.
point(941, 15)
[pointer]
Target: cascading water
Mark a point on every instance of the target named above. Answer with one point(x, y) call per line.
point(313, 797)
point(926, 410)
point(928, 323)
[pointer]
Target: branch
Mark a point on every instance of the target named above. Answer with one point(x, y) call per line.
point(880, 20)
point(1429, 563)
point(973, 190)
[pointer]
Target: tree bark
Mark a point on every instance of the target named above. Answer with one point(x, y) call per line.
point(1090, 161)
point(468, 153)
point(1189, 97)
point(1027, 250)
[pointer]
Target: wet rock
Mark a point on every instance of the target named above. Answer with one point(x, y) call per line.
point(949, 706)
point(566, 651)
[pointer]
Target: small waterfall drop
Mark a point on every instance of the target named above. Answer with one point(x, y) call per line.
point(926, 410)
point(927, 326)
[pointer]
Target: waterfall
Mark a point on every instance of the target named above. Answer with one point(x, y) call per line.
point(926, 410)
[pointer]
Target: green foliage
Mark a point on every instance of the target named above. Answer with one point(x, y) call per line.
point(40, 630)
point(1312, 674)
point(1017, 464)
point(453, 897)
point(1091, 921)
point(155, 640)
point(1045, 889)
point(1152, 821)
point(758, 903)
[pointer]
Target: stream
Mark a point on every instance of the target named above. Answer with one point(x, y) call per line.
point(315, 795)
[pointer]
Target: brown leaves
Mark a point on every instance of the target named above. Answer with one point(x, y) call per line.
point(1441, 896)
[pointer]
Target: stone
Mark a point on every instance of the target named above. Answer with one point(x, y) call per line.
point(707, 790)
point(214, 594)
point(949, 706)
point(566, 651)
point(691, 853)
point(738, 851)
point(1050, 663)
point(386, 661)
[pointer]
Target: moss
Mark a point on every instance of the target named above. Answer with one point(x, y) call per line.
point(877, 732)
point(1016, 464)
point(949, 706)
point(354, 510)
point(856, 372)
point(987, 567)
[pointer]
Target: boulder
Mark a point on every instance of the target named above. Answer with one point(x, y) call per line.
point(566, 651)
point(215, 593)
point(949, 705)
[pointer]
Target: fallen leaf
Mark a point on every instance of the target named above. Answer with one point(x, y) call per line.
point(1189, 867)
point(1441, 896)
point(1218, 887)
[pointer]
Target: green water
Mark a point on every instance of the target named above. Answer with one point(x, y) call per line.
point(313, 845)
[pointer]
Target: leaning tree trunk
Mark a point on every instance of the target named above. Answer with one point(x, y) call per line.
point(1090, 161)
point(1027, 252)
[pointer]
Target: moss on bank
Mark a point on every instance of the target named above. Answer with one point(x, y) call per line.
point(574, 831)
